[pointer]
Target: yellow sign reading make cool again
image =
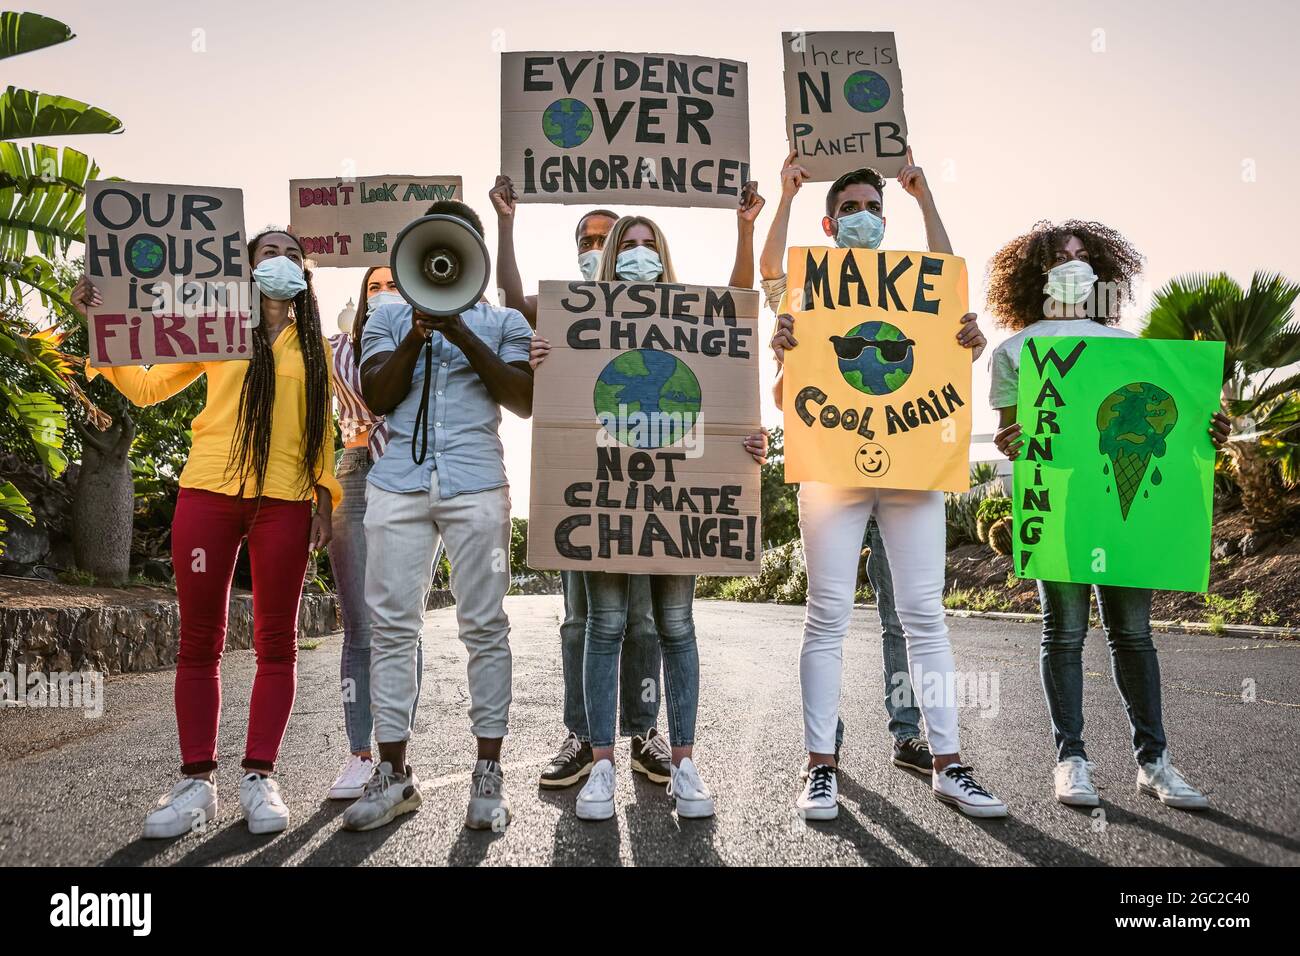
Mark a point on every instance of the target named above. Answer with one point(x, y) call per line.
point(877, 392)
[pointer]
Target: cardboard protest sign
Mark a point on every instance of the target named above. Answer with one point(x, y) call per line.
point(844, 102)
point(353, 222)
point(1115, 480)
point(639, 414)
point(172, 267)
point(877, 392)
point(652, 129)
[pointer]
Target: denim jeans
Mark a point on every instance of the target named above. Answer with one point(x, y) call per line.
point(639, 688)
point(1126, 618)
point(671, 597)
point(347, 551)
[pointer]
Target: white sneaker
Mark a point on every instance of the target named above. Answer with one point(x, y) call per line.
point(596, 798)
point(351, 781)
point(387, 795)
point(1074, 783)
point(1162, 781)
point(693, 798)
point(489, 807)
point(956, 784)
point(191, 805)
point(820, 792)
point(263, 807)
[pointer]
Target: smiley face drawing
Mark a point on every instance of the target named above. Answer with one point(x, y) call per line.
point(871, 460)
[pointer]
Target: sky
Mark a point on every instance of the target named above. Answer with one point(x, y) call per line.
point(1173, 122)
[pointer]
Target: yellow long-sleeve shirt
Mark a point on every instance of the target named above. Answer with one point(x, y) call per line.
point(215, 426)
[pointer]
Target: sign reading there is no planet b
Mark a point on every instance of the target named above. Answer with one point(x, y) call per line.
point(844, 103)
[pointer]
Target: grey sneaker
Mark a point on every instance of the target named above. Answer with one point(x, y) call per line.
point(386, 797)
point(1162, 781)
point(489, 807)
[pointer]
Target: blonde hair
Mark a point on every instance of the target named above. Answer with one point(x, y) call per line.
point(609, 255)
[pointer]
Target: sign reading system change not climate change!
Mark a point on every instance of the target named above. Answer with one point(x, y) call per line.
point(639, 416)
point(642, 128)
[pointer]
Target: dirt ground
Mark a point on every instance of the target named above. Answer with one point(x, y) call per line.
point(1272, 575)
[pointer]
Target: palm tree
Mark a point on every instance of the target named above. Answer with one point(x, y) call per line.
point(42, 203)
point(1260, 383)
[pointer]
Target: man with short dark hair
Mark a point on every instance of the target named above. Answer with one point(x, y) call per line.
point(457, 492)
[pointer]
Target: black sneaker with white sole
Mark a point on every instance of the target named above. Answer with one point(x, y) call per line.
point(569, 765)
point(913, 754)
point(652, 756)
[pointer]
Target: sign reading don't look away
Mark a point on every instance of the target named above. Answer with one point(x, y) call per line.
point(652, 129)
point(171, 265)
point(639, 417)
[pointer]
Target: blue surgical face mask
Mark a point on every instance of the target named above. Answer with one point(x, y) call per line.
point(279, 278)
point(860, 230)
point(382, 298)
point(589, 263)
point(1070, 282)
point(639, 264)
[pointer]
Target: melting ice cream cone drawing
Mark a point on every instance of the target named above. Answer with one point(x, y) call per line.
point(1134, 422)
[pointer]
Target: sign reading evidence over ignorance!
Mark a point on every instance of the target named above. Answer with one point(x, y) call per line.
point(651, 129)
point(639, 415)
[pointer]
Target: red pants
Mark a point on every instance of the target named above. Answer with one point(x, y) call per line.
point(206, 533)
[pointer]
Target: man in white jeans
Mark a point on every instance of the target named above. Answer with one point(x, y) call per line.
point(833, 520)
point(442, 478)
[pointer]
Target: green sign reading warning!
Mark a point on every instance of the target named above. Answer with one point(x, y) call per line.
point(1115, 481)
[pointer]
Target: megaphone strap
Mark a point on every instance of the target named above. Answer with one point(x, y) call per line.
point(420, 434)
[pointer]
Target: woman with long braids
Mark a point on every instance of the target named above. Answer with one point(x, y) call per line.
point(262, 452)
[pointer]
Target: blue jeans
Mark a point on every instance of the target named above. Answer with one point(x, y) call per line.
point(638, 668)
point(1126, 618)
point(347, 551)
point(900, 702)
point(671, 597)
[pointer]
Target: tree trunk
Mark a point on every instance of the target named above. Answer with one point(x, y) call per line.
point(104, 503)
point(1262, 495)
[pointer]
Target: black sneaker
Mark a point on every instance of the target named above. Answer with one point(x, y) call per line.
point(652, 756)
point(913, 754)
point(570, 765)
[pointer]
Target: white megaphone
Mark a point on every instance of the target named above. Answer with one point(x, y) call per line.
point(440, 264)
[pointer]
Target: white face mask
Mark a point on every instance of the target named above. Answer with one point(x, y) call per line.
point(639, 264)
point(382, 298)
point(1070, 282)
point(589, 263)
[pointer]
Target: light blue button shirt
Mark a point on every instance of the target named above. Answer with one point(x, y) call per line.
point(463, 417)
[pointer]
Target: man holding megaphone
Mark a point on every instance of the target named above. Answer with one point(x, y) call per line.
point(439, 367)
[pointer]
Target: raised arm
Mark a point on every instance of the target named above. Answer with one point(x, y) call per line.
point(771, 261)
point(141, 386)
point(912, 178)
point(503, 198)
point(751, 203)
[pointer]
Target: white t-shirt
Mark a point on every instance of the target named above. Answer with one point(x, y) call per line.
point(1004, 363)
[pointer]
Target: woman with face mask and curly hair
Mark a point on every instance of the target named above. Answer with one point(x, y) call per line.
point(262, 453)
point(1072, 279)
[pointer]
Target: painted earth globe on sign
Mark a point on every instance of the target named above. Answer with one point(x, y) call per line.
point(647, 399)
point(875, 357)
point(866, 91)
point(145, 253)
point(567, 123)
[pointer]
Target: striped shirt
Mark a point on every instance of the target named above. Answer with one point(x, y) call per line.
point(354, 416)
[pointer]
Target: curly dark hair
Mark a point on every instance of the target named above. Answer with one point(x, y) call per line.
point(1016, 272)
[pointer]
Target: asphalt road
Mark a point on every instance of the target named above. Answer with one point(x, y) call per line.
point(74, 790)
